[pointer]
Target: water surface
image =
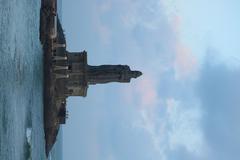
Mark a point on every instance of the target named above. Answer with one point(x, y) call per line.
point(21, 81)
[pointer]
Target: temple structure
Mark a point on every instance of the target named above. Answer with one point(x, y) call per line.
point(72, 76)
point(68, 73)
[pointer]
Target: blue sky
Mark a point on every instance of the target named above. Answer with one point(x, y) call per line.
point(186, 104)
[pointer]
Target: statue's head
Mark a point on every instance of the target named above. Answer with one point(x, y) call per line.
point(135, 74)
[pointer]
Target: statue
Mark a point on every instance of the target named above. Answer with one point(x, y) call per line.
point(79, 74)
point(110, 73)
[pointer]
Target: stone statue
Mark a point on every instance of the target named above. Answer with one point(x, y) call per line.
point(110, 73)
point(79, 75)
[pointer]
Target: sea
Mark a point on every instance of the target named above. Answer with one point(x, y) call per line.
point(21, 83)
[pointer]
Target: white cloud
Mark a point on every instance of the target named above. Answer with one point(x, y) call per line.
point(185, 127)
point(173, 127)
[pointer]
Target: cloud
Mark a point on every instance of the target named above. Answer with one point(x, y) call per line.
point(176, 128)
point(160, 116)
point(150, 15)
point(219, 92)
point(152, 120)
point(185, 63)
point(205, 129)
point(148, 96)
point(185, 131)
point(103, 31)
point(170, 122)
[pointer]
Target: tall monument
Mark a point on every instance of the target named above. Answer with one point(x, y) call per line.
point(68, 73)
point(79, 74)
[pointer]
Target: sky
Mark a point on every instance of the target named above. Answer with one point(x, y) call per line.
point(186, 104)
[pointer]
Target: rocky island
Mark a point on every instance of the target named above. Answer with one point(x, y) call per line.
point(68, 73)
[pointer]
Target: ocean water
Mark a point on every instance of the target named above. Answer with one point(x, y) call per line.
point(21, 83)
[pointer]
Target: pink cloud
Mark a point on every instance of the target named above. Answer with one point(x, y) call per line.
point(185, 62)
point(176, 24)
point(148, 91)
point(144, 92)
